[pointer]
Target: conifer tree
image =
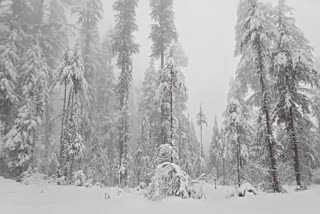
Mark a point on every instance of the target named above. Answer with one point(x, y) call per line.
point(167, 92)
point(292, 65)
point(10, 39)
point(22, 139)
point(214, 149)
point(124, 47)
point(253, 45)
point(237, 132)
point(71, 77)
point(201, 120)
point(163, 31)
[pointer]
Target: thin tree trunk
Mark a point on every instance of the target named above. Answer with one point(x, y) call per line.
point(171, 107)
point(201, 140)
point(238, 162)
point(269, 135)
point(162, 59)
point(294, 142)
point(61, 158)
point(224, 170)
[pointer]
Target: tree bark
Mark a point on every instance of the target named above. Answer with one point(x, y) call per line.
point(294, 142)
point(62, 157)
point(269, 133)
point(238, 163)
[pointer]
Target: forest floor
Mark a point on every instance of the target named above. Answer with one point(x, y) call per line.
point(39, 197)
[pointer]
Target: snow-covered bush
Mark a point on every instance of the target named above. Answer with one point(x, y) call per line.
point(79, 178)
point(170, 180)
point(32, 176)
point(246, 189)
point(316, 176)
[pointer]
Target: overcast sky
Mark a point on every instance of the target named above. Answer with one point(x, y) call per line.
point(206, 32)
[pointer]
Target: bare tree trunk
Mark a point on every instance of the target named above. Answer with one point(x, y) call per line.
point(294, 142)
point(162, 59)
point(238, 163)
point(171, 106)
point(224, 170)
point(62, 147)
point(269, 133)
point(201, 152)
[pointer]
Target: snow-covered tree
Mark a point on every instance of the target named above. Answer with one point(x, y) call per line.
point(169, 180)
point(71, 77)
point(170, 92)
point(293, 69)
point(201, 120)
point(214, 163)
point(99, 153)
point(253, 45)
point(124, 47)
point(12, 13)
point(22, 139)
point(237, 133)
point(150, 122)
point(163, 31)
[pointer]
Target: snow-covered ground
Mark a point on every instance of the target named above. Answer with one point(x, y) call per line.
point(43, 198)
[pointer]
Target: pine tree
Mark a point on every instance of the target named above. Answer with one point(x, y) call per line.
point(10, 40)
point(201, 120)
point(149, 105)
point(238, 133)
point(150, 123)
point(292, 64)
point(167, 91)
point(214, 149)
point(163, 32)
point(253, 45)
point(71, 76)
point(22, 139)
point(124, 47)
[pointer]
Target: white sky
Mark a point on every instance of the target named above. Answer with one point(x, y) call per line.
point(206, 32)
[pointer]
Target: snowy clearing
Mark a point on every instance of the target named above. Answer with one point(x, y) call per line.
point(48, 198)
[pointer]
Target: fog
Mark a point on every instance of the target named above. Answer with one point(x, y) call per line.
point(206, 32)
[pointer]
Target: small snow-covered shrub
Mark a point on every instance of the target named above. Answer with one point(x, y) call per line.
point(79, 178)
point(32, 176)
point(316, 176)
point(170, 180)
point(244, 190)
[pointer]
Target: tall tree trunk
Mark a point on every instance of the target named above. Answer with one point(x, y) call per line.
point(62, 147)
point(171, 106)
point(201, 153)
point(238, 162)
point(162, 59)
point(269, 133)
point(294, 143)
point(224, 170)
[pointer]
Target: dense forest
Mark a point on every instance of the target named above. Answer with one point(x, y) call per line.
point(69, 110)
